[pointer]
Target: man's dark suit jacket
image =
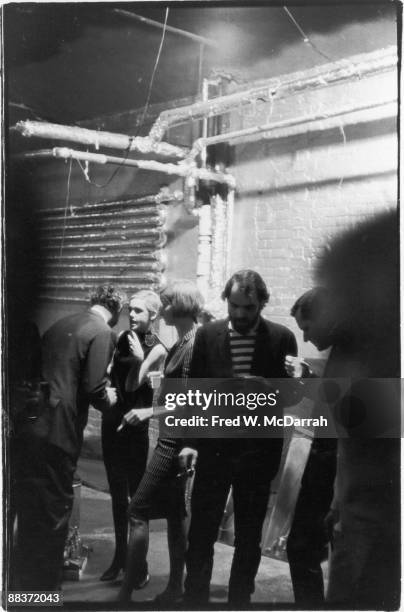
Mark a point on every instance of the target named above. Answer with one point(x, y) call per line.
point(212, 359)
point(76, 352)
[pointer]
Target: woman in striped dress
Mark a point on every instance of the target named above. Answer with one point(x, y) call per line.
point(161, 494)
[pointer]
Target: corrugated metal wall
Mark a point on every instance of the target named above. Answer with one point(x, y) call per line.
point(118, 242)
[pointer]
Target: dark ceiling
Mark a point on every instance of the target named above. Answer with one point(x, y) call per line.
point(68, 62)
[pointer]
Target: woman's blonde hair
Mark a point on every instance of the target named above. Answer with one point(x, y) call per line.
point(150, 298)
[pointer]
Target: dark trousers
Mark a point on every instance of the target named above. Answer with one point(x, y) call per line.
point(125, 458)
point(250, 475)
point(306, 545)
point(44, 500)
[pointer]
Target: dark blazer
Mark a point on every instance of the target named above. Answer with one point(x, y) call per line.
point(76, 352)
point(212, 359)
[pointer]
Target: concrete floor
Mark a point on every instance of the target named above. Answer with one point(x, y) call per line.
point(273, 584)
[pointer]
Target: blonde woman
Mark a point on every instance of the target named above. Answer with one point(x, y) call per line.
point(125, 438)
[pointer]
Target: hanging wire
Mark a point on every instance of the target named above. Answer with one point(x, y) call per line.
point(306, 38)
point(156, 63)
point(143, 116)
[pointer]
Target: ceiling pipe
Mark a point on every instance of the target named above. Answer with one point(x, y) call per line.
point(54, 131)
point(322, 76)
point(188, 169)
point(199, 146)
point(325, 75)
point(184, 170)
point(151, 22)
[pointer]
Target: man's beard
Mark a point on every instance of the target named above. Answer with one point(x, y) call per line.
point(243, 326)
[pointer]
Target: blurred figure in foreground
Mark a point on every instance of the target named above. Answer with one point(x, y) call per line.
point(361, 272)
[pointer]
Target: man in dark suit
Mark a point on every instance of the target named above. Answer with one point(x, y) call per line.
point(307, 540)
point(243, 345)
point(76, 352)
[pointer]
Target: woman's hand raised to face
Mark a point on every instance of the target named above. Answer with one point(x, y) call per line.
point(135, 347)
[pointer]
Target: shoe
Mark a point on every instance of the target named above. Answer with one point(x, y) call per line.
point(111, 573)
point(142, 583)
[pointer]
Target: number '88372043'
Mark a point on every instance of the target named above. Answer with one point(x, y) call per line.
point(35, 598)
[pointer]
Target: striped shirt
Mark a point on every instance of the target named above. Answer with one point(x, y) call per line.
point(242, 350)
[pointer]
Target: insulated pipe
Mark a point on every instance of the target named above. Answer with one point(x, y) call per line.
point(200, 144)
point(184, 170)
point(94, 209)
point(54, 131)
point(204, 249)
point(325, 75)
point(205, 97)
point(229, 226)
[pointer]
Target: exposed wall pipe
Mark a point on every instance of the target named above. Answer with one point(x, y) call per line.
point(108, 259)
point(54, 131)
point(83, 288)
point(204, 249)
point(205, 97)
point(94, 209)
point(324, 75)
point(229, 227)
point(218, 253)
point(199, 146)
point(184, 170)
point(103, 245)
point(151, 22)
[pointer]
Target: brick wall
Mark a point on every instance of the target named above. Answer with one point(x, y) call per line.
point(296, 191)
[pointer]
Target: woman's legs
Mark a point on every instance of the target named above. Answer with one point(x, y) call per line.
point(159, 469)
point(125, 457)
point(136, 574)
point(177, 543)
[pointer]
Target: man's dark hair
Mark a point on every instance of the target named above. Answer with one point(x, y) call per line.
point(109, 297)
point(310, 304)
point(249, 282)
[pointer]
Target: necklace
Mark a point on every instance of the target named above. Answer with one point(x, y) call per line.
point(149, 339)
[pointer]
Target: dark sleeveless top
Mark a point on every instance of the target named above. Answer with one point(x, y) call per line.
point(122, 363)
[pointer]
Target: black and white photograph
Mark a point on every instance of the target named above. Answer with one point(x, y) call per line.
point(201, 305)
